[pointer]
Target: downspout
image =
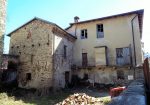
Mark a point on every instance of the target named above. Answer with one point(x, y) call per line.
point(133, 44)
point(76, 30)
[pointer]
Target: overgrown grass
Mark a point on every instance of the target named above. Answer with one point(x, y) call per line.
point(6, 100)
point(52, 99)
point(106, 100)
point(44, 100)
point(48, 100)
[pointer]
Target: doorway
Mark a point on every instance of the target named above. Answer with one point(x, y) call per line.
point(67, 78)
point(84, 60)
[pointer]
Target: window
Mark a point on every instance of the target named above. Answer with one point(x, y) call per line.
point(84, 34)
point(119, 52)
point(32, 56)
point(65, 51)
point(123, 56)
point(28, 76)
point(100, 31)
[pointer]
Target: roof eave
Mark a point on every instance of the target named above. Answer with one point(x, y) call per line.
point(36, 18)
point(9, 34)
point(141, 11)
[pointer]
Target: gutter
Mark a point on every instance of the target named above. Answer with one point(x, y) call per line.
point(133, 38)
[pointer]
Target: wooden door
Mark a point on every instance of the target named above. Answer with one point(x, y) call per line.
point(84, 59)
point(100, 56)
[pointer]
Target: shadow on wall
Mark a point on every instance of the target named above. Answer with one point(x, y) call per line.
point(62, 58)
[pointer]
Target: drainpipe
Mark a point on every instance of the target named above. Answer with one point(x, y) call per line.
point(133, 43)
point(76, 30)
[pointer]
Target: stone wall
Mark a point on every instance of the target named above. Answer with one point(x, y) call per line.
point(40, 45)
point(2, 24)
point(109, 75)
point(62, 63)
point(33, 43)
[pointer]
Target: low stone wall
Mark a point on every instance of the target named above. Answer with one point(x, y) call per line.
point(134, 95)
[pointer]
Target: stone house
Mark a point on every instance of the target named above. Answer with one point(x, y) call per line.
point(104, 49)
point(108, 47)
point(45, 54)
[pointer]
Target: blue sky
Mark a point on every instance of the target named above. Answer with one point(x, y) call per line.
point(62, 12)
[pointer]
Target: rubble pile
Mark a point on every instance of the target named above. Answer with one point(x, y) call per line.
point(81, 99)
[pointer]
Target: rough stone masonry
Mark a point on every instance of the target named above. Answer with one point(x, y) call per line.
point(2, 24)
point(40, 47)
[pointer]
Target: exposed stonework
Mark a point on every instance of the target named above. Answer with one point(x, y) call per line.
point(48, 53)
point(109, 75)
point(2, 24)
point(30, 43)
point(37, 43)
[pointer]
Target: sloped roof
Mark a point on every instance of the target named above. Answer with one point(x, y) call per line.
point(36, 18)
point(139, 12)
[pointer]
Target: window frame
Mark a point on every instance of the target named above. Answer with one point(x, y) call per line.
point(119, 52)
point(65, 51)
point(100, 30)
point(84, 34)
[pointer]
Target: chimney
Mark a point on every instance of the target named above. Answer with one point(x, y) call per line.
point(76, 18)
